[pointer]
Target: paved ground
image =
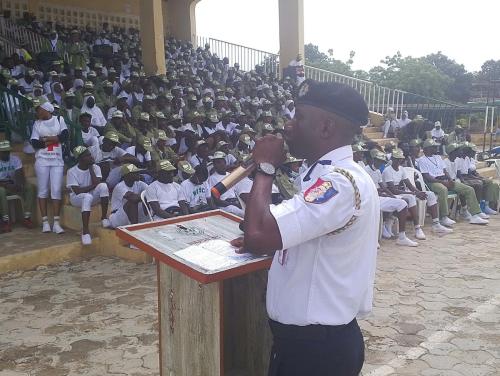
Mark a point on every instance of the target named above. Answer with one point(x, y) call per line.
point(437, 312)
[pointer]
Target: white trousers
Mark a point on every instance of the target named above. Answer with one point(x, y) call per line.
point(410, 199)
point(89, 199)
point(49, 178)
point(120, 217)
point(389, 204)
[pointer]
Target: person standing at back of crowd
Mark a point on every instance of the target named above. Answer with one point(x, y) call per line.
point(49, 133)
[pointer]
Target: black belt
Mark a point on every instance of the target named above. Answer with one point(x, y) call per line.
point(308, 332)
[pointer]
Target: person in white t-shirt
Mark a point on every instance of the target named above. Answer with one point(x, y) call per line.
point(13, 182)
point(201, 156)
point(397, 181)
point(110, 157)
point(126, 205)
point(228, 201)
point(90, 135)
point(48, 135)
point(84, 180)
point(389, 203)
point(166, 197)
point(197, 191)
point(231, 160)
point(433, 169)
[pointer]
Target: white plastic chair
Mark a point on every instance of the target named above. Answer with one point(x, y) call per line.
point(421, 204)
point(146, 205)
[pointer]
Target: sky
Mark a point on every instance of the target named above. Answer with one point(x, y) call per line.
point(466, 31)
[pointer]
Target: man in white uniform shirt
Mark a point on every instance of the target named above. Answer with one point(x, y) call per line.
point(84, 180)
point(324, 239)
point(433, 169)
point(166, 197)
point(228, 201)
point(396, 179)
point(196, 190)
point(126, 205)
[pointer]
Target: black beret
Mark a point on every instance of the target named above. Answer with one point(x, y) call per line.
point(334, 97)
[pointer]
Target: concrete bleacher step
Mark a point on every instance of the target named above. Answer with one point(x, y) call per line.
point(488, 172)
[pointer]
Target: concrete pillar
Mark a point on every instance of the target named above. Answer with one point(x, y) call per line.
point(153, 47)
point(291, 16)
point(181, 18)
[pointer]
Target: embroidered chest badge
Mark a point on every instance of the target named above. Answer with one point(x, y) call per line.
point(320, 192)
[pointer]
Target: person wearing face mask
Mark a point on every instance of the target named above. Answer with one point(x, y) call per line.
point(49, 133)
point(89, 106)
point(287, 175)
point(166, 197)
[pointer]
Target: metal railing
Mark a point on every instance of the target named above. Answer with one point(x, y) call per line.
point(248, 58)
point(379, 98)
point(16, 114)
point(19, 35)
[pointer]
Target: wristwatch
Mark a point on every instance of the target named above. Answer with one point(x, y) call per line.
point(266, 169)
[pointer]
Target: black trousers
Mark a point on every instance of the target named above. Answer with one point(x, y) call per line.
point(316, 350)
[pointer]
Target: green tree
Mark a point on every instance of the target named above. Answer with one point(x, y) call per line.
point(315, 58)
point(460, 88)
point(411, 74)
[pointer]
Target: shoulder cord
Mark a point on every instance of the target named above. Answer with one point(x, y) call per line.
point(357, 200)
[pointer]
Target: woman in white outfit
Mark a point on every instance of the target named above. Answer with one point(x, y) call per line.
point(49, 133)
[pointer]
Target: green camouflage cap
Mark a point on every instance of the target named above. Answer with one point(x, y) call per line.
point(165, 165)
point(416, 142)
point(5, 145)
point(267, 127)
point(162, 135)
point(377, 154)
point(397, 154)
point(221, 144)
point(266, 114)
point(144, 116)
point(218, 155)
point(244, 138)
point(129, 168)
point(112, 136)
point(107, 83)
point(70, 93)
point(470, 145)
point(146, 143)
point(117, 114)
point(160, 115)
point(358, 147)
point(213, 118)
point(186, 167)
point(430, 143)
point(450, 148)
point(79, 150)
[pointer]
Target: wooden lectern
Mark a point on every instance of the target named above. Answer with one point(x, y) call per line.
point(211, 301)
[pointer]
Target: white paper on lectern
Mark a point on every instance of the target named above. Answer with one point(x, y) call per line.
point(202, 243)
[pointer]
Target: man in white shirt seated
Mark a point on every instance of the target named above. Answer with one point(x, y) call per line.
point(90, 135)
point(110, 157)
point(396, 180)
point(142, 152)
point(486, 190)
point(126, 205)
point(87, 189)
point(197, 191)
point(228, 201)
point(389, 203)
point(166, 197)
point(404, 121)
point(202, 154)
point(433, 169)
point(231, 160)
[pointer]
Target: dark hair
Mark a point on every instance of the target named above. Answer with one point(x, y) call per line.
point(85, 114)
point(201, 171)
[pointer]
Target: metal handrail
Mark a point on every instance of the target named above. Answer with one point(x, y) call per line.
point(20, 34)
point(16, 114)
point(246, 57)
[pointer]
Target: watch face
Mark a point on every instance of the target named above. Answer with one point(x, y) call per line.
point(268, 168)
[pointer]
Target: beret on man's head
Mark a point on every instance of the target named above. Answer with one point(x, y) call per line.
point(334, 97)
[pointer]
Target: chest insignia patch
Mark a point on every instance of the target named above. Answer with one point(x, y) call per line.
point(320, 192)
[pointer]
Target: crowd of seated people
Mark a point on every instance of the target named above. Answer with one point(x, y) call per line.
point(124, 136)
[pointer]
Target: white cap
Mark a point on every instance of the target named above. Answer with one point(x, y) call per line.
point(47, 107)
point(437, 124)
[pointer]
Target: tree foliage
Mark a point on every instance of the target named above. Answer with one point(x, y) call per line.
point(434, 75)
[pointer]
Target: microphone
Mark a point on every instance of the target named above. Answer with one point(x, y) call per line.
point(233, 178)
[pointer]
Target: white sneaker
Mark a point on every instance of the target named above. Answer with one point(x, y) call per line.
point(477, 220)
point(106, 223)
point(438, 228)
point(446, 221)
point(86, 239)
point(406, 242)
point(490, 211)
point(46, 227)
point(57, 228)
point(465, 214)
point(419, 234)
point(484, 216)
